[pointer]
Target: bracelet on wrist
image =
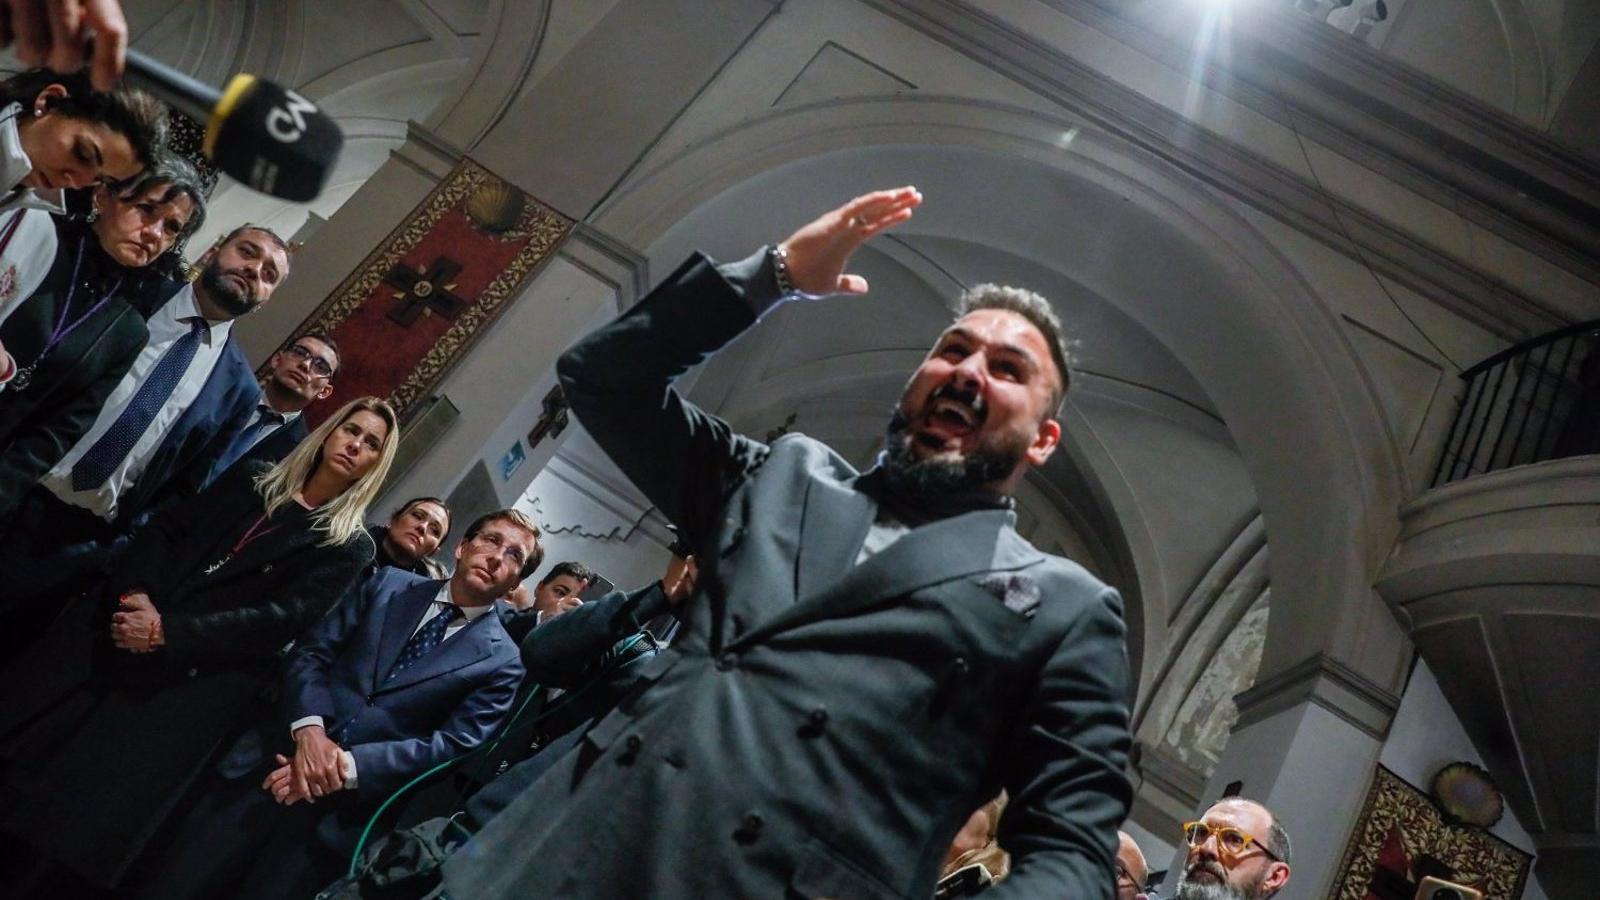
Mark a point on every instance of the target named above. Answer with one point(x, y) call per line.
point(780, 269)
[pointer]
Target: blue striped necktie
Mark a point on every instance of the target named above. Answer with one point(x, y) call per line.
point(95, 466)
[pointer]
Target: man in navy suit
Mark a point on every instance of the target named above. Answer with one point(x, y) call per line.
point(164, 426)
point(404, 675)
point(297, 376)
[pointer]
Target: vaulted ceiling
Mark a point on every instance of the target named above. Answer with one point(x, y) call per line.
point(1535, 60)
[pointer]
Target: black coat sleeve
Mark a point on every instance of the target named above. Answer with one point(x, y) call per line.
point(264, 626)
point(261, 629)
point(59, 424)
point(618, 382)
point(1065, 765)
point(564, 651)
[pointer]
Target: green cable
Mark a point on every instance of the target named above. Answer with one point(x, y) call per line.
point(355, 858)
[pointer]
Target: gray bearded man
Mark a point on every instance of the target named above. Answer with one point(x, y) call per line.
point(868, 656)
point(1237, 851)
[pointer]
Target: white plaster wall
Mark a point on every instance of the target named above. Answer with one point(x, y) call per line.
point(1425, 736)
point(575, 528)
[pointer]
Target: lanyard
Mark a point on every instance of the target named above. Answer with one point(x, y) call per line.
point(5, 239)
point(62, 330)
point(249, 536)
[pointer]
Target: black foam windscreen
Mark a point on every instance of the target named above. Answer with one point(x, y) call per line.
point(260, 133)
point(272, 139)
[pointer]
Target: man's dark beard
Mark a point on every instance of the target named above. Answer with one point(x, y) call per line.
point(907, 476)
point(234, 300)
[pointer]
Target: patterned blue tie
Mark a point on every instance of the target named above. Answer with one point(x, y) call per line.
point(247, 439)
point(94, 467)
point(422, 643)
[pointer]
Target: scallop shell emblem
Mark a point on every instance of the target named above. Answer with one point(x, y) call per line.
point(496, 207)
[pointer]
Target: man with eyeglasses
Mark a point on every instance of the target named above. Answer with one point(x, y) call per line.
point(297, 376)
point(405, 674)
point(1131, 869)
point(1238, 850)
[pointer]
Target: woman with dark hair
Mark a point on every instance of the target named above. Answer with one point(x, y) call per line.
point(64, 349)
point(57, 132)
point(106, 721)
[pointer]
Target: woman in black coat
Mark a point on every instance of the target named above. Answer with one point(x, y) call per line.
point(106, 721)
point(64, 349)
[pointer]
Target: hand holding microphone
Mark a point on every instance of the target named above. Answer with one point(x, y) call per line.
point(260, 133)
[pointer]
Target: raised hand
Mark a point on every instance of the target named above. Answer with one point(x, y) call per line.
point(819, 252)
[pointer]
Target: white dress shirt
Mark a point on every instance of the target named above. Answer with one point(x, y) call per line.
point(167, 325)
point(440, 602)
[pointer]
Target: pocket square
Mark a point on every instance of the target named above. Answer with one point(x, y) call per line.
point(1019, 593)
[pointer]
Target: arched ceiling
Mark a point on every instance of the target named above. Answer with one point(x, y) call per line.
point(1535, 60)
point(1538, 60)
point(373, 65)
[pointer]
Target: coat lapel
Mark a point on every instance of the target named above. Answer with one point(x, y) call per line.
point(834, 523)
point(949, 548)
point(472, 643)
point(400, 617)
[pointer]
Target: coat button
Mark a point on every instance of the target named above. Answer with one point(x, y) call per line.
point(727, 662)
point(816, 720)
point(963, 668)
point(749, 828)
point(266, 568)
point(193, 671)
point(371, 700)
point(630, 749)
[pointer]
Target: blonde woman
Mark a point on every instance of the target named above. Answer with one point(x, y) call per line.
point(126, 702)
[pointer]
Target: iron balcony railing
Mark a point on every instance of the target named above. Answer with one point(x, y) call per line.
point(1536, 401)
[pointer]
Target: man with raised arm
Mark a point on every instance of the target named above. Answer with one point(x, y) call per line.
point(882, 643)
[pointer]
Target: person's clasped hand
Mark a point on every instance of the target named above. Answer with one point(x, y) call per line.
point(136, 626)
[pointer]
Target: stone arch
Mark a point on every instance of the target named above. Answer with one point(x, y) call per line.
point(1271, 358)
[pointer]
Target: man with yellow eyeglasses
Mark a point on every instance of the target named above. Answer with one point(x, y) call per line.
point(1237, 851)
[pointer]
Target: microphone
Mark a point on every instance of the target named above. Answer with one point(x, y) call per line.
point(260, 133)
